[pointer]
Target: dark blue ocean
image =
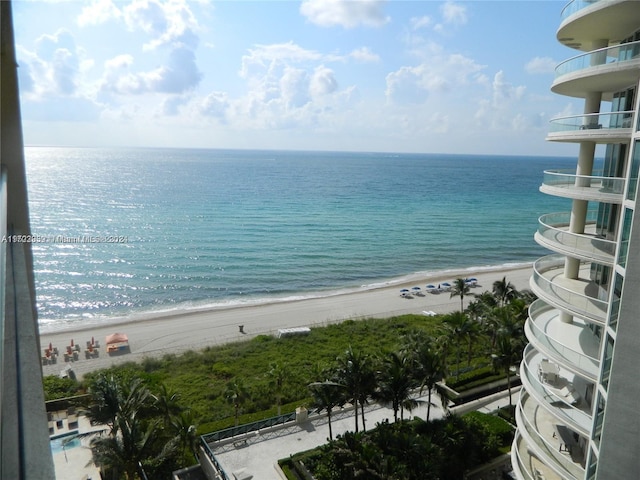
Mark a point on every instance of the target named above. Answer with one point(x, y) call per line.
point(125, 232)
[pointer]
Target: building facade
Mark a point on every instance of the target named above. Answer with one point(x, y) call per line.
point(24, 438)
point(577, 415)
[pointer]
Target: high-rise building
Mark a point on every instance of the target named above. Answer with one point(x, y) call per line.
point(578, 414)
point(24, 438)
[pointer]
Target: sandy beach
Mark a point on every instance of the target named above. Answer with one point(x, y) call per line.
point(176, 333)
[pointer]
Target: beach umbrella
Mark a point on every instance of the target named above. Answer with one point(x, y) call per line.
point(72, 342)
point(92, 341)
point(404, 290)
point(417, 289)
point(50, 346)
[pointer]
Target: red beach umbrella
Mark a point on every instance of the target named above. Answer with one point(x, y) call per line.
point(72, 342)
point(92, 341)
point(50, 346)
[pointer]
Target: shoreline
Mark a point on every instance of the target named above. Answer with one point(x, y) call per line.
point(154, 334)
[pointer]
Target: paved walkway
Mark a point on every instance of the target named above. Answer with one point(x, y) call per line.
point(258, 458)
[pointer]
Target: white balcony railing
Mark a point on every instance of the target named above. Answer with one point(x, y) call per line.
point(539, 429)
point(553, 232)
point(571, 295)
point(545, 331)
point(577, 418)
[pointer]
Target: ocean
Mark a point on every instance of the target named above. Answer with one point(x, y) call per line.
point(126, 232)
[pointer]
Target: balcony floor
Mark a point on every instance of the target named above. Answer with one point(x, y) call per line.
point(575, 336)
point(551, 440)
point(569, 287)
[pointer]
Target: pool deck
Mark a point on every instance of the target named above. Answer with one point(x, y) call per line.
point(75, 463)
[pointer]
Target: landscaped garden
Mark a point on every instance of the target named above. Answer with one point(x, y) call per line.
point(350, 362)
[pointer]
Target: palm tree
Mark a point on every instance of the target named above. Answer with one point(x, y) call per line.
point(236, 395)
point(504, 291)
point(460, 328)
point(185, 433)
point(328, 395)
point(107, 398)
point(509, 352)
point(135, 436)
point(395, 383)
point(278, 375)
point(133, 446)
point(429, 372)
point(460, 288)
point(356, 374)
point(167, 402)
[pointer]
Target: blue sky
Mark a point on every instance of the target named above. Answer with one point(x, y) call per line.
point(366, 75)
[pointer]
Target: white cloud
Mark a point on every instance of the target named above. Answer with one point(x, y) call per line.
point(344, 13)
point(504, 92)
point(97, 12)
point(323, 82)
point(215, 105)
point(437, 74)
point(180, 75)
point(420, 22)
point(168, 23)
point(540, 65)
point(364, 55)
point(454, 13)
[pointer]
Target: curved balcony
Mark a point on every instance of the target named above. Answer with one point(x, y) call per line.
point(526, 465)
point(565, 183)
point(553, 233)
point(583, 21)
point(605, 70)
point(573, 345)
point(577, 297)
point(614, 127)
point(544, 435)
point(570, 410)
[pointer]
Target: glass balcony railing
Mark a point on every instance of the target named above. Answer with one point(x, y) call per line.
point(557, 405)
point(592, 121)
point(575, 6)
point(537, 331)
point(553, 229)
point(537, 426)
point(595, 181)
point(604, 56)
point(550, 284)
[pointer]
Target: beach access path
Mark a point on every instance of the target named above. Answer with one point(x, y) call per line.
point(177, 333)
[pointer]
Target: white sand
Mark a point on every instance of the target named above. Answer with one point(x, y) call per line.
point(176, 333)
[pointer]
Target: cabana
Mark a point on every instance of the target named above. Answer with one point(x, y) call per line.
point(117, 343)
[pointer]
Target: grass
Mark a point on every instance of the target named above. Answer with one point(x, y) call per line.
point(201, 377)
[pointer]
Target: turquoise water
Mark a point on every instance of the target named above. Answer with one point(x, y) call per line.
point(63, 442)
point(196, 228)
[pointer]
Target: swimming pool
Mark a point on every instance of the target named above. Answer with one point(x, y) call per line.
point(64, 442)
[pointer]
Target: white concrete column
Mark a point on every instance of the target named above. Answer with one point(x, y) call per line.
point(579, 207)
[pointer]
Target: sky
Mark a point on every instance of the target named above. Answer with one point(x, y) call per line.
point(342, 75)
